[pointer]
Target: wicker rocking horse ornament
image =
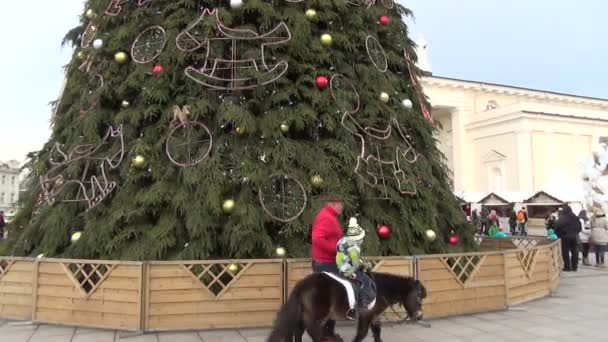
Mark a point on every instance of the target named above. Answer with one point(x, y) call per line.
point(94, 185)
point(115, 7)
point(233, 73)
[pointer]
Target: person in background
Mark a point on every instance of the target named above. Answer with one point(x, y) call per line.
point(326, 232)
point(585, 235)
point(522, 221)
point(550, 220)
point(484, 221)
point(475, 220)
point(599, 236)
point(512, 222)
point(567, 228)
point(2, 225)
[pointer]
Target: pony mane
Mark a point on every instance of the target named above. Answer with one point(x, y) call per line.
point(396, 285)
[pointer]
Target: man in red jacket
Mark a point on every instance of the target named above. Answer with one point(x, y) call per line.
point(326, 232)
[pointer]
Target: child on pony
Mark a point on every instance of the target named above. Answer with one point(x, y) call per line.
point(351, 265)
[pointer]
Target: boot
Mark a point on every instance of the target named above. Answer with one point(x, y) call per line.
point(586, 261)
point(352, 314)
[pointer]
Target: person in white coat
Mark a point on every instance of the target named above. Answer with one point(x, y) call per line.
point(585, 235)
point(599, 236)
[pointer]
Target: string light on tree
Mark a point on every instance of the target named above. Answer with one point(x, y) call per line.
point(125, 104)
point(311, 13)
point(228, 206)
point(236, 4)
point(76, 236)
point(284, 127)
point(281, 252)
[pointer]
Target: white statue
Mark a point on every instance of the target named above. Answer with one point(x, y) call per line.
point(595, 178)
point(423, 55)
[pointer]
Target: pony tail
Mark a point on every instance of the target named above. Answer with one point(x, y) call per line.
point(288, 318)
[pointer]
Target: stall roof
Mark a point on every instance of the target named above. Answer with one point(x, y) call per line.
point(543, 198)
point(494, 199)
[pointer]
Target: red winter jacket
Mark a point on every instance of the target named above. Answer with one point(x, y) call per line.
point(326, 232)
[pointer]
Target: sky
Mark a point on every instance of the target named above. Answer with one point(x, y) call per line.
point(544, 44)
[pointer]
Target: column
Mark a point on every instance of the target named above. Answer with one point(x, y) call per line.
point(459, 152)
point(525, 165)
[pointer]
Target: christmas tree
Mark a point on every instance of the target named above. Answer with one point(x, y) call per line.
point(213, 129)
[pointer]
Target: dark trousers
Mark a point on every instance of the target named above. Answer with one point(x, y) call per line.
point(600, 250)
point(570, 253)
point(319, 267)
point(367, 289)
point(586, 247)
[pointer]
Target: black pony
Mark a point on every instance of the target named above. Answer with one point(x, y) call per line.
point(318, 298)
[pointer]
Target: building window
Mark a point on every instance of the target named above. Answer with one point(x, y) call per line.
point(3, 180)
point(496, 179)
point(13, 180)
point(12, 198)
point(2, 198)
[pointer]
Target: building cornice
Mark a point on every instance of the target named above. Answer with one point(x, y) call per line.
point(524, 114)
point(450, 83)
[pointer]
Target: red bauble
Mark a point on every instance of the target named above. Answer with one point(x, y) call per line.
point(158, 69)
point(384, 20)
point(453, 240)
point(321, 82)
point(383, 231)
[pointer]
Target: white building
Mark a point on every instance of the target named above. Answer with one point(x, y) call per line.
point(9, 187)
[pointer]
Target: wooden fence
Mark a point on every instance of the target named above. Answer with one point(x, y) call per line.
point(185, 295)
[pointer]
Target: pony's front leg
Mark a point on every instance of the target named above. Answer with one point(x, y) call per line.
point(362, 329)
point(377, 330)
point(297, 334)
point(314, 329)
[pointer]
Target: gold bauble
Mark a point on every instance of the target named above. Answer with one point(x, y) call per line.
point(311, 13)
point(90, 14)
point(228, 206)
point(430, 235)
point(284, 128)
point(121, 57)
point(81, 55)
point(316, 181)
point(281, 252)
point(139, 161)
point(384, 97)
point(233, 268)
point(240, 130)
point(326, 40)
point(76, 236)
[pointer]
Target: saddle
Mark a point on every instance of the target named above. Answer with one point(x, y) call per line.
point(353, 290)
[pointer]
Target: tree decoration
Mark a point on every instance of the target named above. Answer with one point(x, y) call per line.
point(76, 236)
point(376, 53)
point(321, 82)
point(91, 92)
point(326, 40)
point(88, 35)
point(344, 93)
point(228, 206)
point(384, 97)
point(384, 231)
point(430, 235)
point(93, 185)
point(139, 162)
point(158, 69)
point(384, 20)
point(40, 256)
point(189, 142)
point(90, 14)
point(240, 130)
point(149, 44)
point(233, 73)
point(453, 239)
point(311, 13)
point(125, 104)
point(417, 88)
point(234, 268)
point(283, 198)
point(281, 252)
point(371, 161)
point(121, 57)
point(115, 7)
point(236, 4)
point(97, 44)
point(81, 55)
point(316, 181)
point(407, 104)
point(284, 128)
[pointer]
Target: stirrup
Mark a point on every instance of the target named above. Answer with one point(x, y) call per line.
point(352, 314)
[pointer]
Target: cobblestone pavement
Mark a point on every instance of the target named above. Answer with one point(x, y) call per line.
point(576, 311)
